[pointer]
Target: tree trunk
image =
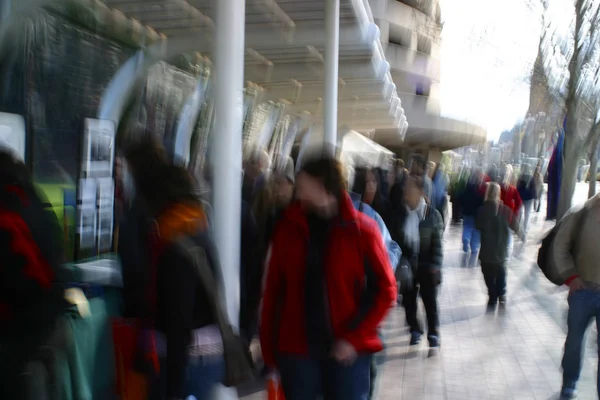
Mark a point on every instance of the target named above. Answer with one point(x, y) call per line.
point(568, 178)
point(593, 172)
point(573, 143)
point(594, 160)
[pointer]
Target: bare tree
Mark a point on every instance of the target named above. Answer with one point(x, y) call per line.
point(593, 154)
point(583, 75)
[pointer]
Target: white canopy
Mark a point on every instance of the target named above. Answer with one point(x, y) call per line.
point(358, 149)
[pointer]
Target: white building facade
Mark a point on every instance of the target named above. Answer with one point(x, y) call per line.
point(410, 33)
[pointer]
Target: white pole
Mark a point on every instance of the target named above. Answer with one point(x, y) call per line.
point(227, 151)
point(332, 41)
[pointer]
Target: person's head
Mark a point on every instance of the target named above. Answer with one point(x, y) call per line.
point(320, 185)
point(507, 175)
point(256, 163)
point(160, 183)
point(418, 166)
point(477, 176)
point(400, 164)
point(414, 190)
point(372, 181)
point(492, 192)
point(431, 168)
point(283, 183)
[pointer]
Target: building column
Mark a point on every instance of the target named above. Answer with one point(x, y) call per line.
point(226, 151)
point(332, 42)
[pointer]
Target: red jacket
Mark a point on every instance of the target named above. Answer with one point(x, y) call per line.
point(511, 198)
point(355, 250)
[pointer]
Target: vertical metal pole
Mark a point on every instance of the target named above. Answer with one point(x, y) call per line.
point(5, 10)
point(227, 151)
point(332, 41)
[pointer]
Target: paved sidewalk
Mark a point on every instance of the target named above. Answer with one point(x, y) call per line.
point(511, 354)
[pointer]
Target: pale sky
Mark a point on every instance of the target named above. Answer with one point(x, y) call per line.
point(488, 48)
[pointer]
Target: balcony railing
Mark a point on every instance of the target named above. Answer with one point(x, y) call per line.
point(415, 62)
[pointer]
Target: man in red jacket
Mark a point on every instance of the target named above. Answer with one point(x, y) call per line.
point(329, 285)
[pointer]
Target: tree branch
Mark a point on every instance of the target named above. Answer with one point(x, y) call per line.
point(593, 35)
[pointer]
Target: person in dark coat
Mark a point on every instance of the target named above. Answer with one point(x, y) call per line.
point(472, 199)
point(495, 221)
point(182, 322)
point(31, 287)
point(419, 232)
point(527, 188)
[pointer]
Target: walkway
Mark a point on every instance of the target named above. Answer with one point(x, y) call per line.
point(511, 354)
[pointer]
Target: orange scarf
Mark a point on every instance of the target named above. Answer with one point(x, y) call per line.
point(181, 219)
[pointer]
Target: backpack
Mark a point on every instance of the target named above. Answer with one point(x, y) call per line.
point(545, 258)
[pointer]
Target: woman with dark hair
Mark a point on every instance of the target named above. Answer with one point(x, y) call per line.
point(182, 323)
point(31, 296)
point(367, 181)
point(329, 285)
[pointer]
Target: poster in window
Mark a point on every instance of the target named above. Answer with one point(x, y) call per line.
point(98, 148)
point(106, 197)
point(87, 214)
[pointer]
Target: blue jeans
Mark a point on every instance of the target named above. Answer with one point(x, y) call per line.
point(584, 305)
point(203, 374)
point(471, 237)
point(306, 379)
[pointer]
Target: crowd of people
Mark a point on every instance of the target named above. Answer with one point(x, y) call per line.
point(323, 260)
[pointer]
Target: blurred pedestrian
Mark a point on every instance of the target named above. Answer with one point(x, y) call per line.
point(317, 331)
point(419, 234)
point(494, 221)
point(31, 290)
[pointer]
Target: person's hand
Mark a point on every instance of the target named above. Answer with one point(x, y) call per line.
point(436, 276)
point(576, 284)
point(344, 353)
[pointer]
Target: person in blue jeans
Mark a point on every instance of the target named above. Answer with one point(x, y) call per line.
point(576, 255)
point(329, 285)
point(472, 199)
point(394, 254)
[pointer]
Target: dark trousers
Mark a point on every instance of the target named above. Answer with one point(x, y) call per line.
point(456, 211)
point(306, 379)
point(584, 306)
point(495, 279)
point(426, 286)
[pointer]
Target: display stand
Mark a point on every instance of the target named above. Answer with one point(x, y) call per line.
point(96, 189)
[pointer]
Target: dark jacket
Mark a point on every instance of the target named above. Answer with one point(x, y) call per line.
point(31, 254)
point(182, 306)
point(355, 253)
point(472, 198)
point(134, 256)
point(527, 188)
point(430, 255)
point(494, 221)
point(251, 273)
point(31, 292)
